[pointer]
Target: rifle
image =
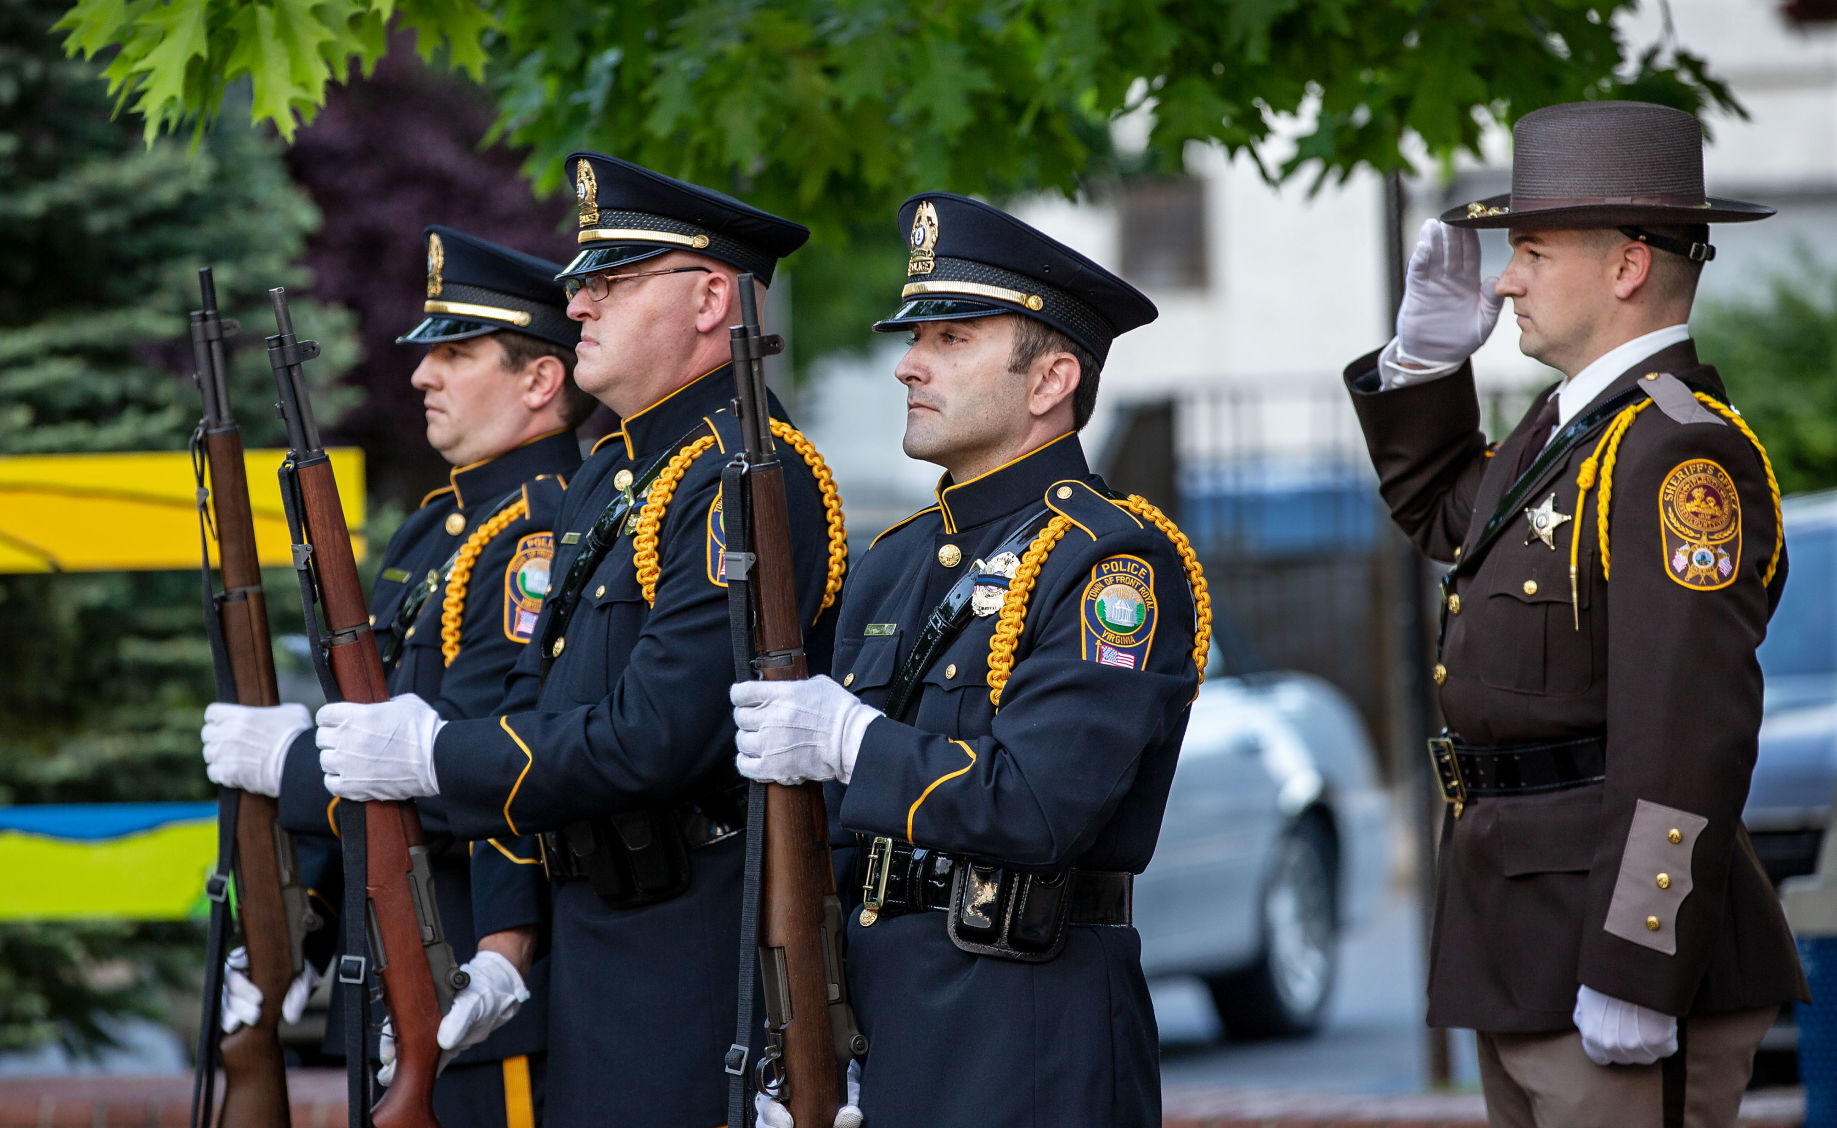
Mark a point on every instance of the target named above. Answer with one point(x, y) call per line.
point(810, 1028)
point(403, 934)
point(252, 845)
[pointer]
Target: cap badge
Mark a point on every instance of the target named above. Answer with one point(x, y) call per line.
point(924, 240)
point(1477, 210)
point(436, 258)
point(587, 192)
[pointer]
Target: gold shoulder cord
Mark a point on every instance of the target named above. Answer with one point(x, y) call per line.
point(650, 518)
point(1013, 617)
point(1607, 453)
point(453, 605)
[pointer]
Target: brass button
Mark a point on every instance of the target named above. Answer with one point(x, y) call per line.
point(1457, 552)
point(1064, 492)
point(950, 555)
point(1650, 376)
point(1651, 924)
point(555, 651)
point(410, 633)
point(1454, 605)
point(1676, 836)
point(950, 671)
point(1664, 881)
point(621, 480)
point(599, 591)
point(1441, 673)
point(373, 620)
point(455, 524)
point(1530, 587)
point(849, 680)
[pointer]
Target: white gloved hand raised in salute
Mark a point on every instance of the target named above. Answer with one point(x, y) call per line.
point(245, 746)
point(1448, 311)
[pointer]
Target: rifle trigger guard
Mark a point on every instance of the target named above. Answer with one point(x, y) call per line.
point(217, 888)
point(352, 969)
point(769, 1076)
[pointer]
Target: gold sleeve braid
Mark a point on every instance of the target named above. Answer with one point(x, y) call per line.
point(1607, 452)
point(644, 543)
point(1013, 617)
point(453, 605)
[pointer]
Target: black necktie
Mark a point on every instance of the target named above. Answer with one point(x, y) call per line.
point(1539, 436)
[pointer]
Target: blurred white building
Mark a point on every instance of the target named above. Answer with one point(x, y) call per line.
point(1266, 293)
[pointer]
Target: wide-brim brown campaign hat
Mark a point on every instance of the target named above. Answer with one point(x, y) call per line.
point(1605, 164)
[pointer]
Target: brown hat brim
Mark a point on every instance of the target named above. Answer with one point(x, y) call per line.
point(1496, 211)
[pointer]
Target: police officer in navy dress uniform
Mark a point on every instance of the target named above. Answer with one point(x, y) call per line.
point(613, 740)
point(454, 605)
point(1013, 671)
point(1600, 916)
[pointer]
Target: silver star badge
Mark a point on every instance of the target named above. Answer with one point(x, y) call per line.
point(1544, 521)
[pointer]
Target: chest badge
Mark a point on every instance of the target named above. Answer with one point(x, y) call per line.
point(1545, 520)
point(992, 578)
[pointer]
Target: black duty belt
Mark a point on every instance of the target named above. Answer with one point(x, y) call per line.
point(699, 825)
point(1467, 771)
point(909, 879)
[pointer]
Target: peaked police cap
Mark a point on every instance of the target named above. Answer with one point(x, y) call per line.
point(969, 259)
point(629, 213)
point(475, 287)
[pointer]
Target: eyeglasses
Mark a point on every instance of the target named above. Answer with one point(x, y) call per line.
point(598, 286)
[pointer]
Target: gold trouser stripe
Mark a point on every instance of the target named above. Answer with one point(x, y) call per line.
point(626, 234)
point(975, 289)
point(519, 1103)
point(467, 309)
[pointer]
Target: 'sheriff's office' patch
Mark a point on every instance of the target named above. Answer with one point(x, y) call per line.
point(1700, 524)
point(1119, 611)
point(526, 584)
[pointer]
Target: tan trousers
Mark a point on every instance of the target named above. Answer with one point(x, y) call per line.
point(1546, 1081)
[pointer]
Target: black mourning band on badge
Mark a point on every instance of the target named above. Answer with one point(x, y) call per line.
point(619, 237)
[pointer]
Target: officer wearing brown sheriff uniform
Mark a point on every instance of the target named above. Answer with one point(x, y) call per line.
point(1600, 916)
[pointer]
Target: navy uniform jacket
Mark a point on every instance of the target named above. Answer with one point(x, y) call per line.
point(1073, 770)
point(502, 886)
point(1652, 651)
point(634, 714)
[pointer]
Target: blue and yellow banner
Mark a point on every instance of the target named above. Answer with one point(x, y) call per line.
point(107, 861)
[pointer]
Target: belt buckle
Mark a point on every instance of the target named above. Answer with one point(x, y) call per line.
point(550, 869)
point(1448, 772)
point(874, 889)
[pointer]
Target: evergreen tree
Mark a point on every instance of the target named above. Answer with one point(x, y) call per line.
point(103, 677)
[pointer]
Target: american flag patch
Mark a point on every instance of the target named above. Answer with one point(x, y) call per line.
point(526, 623)
point(1110, 656)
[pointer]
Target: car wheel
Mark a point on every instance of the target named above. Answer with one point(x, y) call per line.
point(1285, 991)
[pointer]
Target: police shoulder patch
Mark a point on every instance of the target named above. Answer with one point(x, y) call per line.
point(717, 543)
point(526, 584)
point(1699, 515)
point(1118, 611)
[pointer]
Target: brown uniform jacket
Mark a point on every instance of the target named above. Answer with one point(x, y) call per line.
point(1536, 893)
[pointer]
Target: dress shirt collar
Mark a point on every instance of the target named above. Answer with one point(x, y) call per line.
point(1577, 392)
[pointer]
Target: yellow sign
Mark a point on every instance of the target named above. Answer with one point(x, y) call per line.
point(107, 861)
point(138, 512)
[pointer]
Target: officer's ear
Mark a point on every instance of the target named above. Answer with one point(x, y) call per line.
point(540, 382)
point(1054, 377)
point(1632, 265)
point(714, 293)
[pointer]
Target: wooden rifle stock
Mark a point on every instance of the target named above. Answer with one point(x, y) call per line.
point(269, 900)
point(406, 940)
point(810, 1028)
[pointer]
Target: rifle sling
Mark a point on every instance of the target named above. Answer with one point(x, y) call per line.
point(1512, 503)
point(736, 523)
point(354, 965)
point(605, 532)
point(948, 619)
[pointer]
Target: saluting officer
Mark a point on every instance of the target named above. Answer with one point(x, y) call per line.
point(1601, 918)
point(613, 739)
point(1015, 665)
point(454, 604)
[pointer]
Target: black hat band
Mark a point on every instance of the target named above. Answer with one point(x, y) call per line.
point(494, 309)
point(641, 227)
point(978, 279)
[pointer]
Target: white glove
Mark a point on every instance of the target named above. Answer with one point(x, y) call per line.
point(245, 746)
point(1616, 1032)
point(793, 731)
point(380, 751)
point(242, 999)
point(1447, 311)
point(771, 1114)
point(490, 998)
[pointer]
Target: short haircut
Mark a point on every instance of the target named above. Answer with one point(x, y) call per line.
point(520, 349)
point(1673, 276)
point(1034, 338)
